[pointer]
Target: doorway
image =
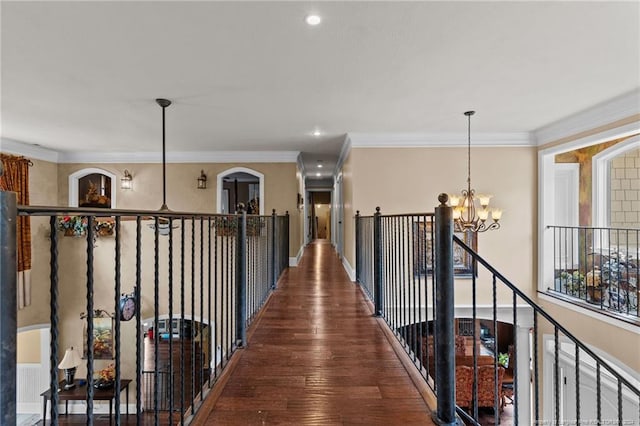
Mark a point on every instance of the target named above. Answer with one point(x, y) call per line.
point(320, 213)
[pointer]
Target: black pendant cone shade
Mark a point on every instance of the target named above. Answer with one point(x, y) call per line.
point(164, 103)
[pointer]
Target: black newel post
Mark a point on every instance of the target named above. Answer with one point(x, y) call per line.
point(444, 339)
point(8, 309)
point(241, 279)
point(358, 250)
point(285, 263)
point(377, 261)
point(274, 267)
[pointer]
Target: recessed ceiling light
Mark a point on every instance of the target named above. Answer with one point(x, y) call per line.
point(313, 19)
point(318, 174)
point(316, 132)
point(319, 165)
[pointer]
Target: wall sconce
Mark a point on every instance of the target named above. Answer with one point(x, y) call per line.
point(202, 180)
point(126, 180)
point(69, 363)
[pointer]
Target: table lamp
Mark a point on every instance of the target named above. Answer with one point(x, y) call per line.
point(69, 363)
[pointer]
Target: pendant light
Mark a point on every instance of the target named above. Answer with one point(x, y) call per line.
point(465, 215)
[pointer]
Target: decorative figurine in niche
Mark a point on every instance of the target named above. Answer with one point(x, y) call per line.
point(92, 194)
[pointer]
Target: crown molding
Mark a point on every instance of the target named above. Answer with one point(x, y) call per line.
point(181, 157)
point(11, 146)
point(300, 164)
point(438, 140)
point(618, 108)
point(344, 153)
point(34, 152)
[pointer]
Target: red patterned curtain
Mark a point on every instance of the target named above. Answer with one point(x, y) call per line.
point(15, 178)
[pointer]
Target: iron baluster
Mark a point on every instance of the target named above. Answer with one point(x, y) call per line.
point(170, 284)
point(156, 311)
point(138, 294)
point(90, 335)
point(53, 312)
point(117, 336)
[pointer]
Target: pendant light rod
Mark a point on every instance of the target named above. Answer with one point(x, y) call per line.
point(469, 114)
point(164, 103)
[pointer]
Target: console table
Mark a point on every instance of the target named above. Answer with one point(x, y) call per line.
point(79, 393)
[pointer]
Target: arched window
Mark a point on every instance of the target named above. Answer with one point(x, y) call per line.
point(615, 174)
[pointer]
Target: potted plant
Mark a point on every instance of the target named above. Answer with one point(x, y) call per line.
point(573, 283)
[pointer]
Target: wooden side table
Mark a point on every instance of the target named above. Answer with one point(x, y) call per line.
point(79, 393)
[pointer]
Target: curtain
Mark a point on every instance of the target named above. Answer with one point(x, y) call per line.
point(15, 178)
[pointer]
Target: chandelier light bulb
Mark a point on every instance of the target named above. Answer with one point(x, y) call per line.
point(484, 199)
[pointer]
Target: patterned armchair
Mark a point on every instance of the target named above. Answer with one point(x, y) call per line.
point(487, 388)
point(464, 386)
point(461, 346)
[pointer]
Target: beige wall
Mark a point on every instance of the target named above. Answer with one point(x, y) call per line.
point(49, 186)
point(409, 180)
point(348, 221)
point(28, 347)
point(43, 190)
point(619, 343)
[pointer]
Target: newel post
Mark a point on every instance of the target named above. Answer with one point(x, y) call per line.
point(241, 279)
point(444, 333)
point(274, 267)
point(286, 240)
point(8, 308)
point(358, 250)
point(377, 261)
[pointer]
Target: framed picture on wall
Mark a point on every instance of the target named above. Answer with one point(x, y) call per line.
point(103, 345)
point(422, 250)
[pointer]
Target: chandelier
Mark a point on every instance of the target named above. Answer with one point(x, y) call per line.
point(465, 215)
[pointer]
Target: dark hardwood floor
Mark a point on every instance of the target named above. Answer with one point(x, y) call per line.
point(318, 357)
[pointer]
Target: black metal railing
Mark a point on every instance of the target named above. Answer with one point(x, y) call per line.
point(576, 371)
point(404, 279)
point(555, 379)
point(599, 266)
point(197, 281)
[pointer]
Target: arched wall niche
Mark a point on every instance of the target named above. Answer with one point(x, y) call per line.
point(235, 170)
point(104, 185)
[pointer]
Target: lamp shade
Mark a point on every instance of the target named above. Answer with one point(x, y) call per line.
point(71, 359)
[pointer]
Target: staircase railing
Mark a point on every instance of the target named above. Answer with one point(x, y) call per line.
point(551, 376)
point(207, 269)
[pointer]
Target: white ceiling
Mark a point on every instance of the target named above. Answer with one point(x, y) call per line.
point(253, 76)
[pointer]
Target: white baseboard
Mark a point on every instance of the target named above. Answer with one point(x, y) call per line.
point(99, 407)
point(293, 261)
point(347, 267)
point(29, 407)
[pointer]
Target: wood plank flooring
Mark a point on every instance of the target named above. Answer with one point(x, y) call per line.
point(318, 357)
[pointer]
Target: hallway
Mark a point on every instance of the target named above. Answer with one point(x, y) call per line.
point(318, 357)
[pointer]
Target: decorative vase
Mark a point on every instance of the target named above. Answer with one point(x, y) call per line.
point(595, 294)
